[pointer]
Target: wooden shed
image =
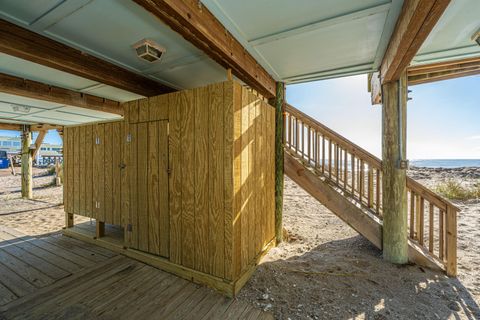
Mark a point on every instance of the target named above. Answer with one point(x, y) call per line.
point(188, 175)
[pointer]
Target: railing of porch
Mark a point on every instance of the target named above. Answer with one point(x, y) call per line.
point(358, 174)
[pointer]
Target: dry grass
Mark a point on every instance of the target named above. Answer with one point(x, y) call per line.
point(452, 189)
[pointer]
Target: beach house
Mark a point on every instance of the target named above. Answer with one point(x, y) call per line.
point(177, 132)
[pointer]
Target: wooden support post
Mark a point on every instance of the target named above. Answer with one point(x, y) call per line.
point(68, 220)
point(395, 241)
point(279, 104)
point(451, 229)
point(100, 229)
point(26, 163)
point(38, 142)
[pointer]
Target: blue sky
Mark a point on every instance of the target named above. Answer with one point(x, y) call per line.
point(443, 119)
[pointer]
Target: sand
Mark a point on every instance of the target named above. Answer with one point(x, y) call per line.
point(326, 270)
point(41, 215)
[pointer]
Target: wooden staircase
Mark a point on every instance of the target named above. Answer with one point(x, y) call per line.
point(347, 180)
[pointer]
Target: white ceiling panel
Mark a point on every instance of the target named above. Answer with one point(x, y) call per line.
point(451, 38)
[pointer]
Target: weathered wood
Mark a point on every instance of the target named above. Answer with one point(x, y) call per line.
point(38, 143)
point(41, 91)
point(279, 170)
point(198, 25)
point(451, 233)
point(417, 19)
point(394, 191)
point(17, 41)
point(27, 183)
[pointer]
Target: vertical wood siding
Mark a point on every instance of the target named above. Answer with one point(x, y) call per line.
point(198, 186)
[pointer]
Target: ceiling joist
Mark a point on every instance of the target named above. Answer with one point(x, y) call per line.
point(198, 25)
point(443, 70)
point(31, 127)
point(22, 43)
point(416, 21)
point(36, 90)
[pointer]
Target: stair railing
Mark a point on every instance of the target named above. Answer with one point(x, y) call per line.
point(358, 174)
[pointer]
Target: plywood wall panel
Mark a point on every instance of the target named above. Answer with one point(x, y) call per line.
point(202, 176)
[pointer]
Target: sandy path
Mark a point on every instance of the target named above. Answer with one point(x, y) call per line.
point(330, 272)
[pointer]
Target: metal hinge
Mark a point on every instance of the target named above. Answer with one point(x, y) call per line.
point(97, 205)
point(129, 137)
point(97, 140)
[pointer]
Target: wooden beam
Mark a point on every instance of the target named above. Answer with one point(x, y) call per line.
point(32, 127)
point(416, 21)
point(199, 26)
point(38, 143)
point(10, 126)
point(22, 43)
point(394, 184)
point(27, 191)
point(41, 91)
point(279, 104)
point(443, 75)
point(443, 70)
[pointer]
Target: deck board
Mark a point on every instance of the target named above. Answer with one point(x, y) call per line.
point(108, 286)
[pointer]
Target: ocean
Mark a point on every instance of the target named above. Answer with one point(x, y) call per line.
point(445, 163)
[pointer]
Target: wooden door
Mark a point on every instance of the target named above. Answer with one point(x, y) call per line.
point(149, 227)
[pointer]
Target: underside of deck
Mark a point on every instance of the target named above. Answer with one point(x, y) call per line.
point(58, 277)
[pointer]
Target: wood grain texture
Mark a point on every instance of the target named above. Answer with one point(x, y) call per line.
point(202, 176)
point(186, 104)
point(153, 189)
point(175, 181)
point(143, 190)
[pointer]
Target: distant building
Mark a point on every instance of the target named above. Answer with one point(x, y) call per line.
point(47, 153)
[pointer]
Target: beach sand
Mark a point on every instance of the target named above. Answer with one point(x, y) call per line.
point(326, 270)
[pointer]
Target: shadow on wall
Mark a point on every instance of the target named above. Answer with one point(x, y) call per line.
point(347, 279)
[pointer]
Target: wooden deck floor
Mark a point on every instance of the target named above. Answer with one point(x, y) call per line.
point(56, 277)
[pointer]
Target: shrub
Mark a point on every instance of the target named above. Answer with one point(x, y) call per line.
point(452, 189)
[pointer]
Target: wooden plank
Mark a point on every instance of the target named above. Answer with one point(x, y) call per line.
point(175, 182)
point(17, 41)
point(216, 219)
point(81, 171)
point(133, 185)
point(451, 235)
point(244, 192)
point(99, 172)
point(6, 295)
point(38, 140)
point(14, 282)
point(45, 92)
point(44, 266)
point(143, 106)
point(158, 108)
point(414, 24)
point(250, 185)
point(258, 213)
point(186, 104)
point(153, 188)
point(237, 179)
point(199, 26)
point(202, 177)
point(117, 149)
point(125, 179)
point(24, 270)
point(163, 196)
point(25, 244)
point(142, 178)
point(76, 170)
point(108, 169)
point(228, 158)
point(89, 142)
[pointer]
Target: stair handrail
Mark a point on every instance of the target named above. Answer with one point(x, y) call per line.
point(357, 172)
